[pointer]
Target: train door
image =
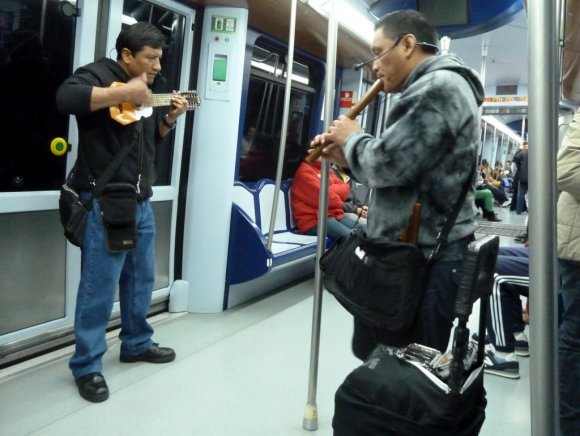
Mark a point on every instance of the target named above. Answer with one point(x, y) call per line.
point(41, 43)
point(176, 22)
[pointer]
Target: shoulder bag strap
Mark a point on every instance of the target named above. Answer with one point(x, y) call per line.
point(442, 236)
point(113, 166)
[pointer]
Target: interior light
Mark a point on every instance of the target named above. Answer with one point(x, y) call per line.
point(349, 17)
point(278, 72)
point(126, 19)
point(501, 127)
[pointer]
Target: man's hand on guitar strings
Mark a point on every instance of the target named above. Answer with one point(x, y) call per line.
point(137, 91)
point(177, 106)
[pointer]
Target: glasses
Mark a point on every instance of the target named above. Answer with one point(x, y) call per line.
point(398, 39)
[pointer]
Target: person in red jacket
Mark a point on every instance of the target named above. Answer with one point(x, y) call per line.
point(304, 194)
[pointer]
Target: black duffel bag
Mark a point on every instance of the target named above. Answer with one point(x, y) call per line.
point(378, 281)
point(388, 396)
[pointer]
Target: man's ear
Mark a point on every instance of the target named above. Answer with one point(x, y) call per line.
point(409, 43)
point(126, 55)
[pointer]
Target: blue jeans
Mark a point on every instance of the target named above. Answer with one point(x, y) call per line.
point(133, 271)
point(521, 200)
point(335, 228)
point(569, 348)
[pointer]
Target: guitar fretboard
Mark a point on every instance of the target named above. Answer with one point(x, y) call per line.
point(160, 100)
point(165, 99)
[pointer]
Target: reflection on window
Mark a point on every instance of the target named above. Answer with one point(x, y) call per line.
point(173, 26)
point(269, 61)
point(260, 146)
point(36, 46)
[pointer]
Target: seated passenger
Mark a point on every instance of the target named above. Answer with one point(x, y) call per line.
point(505, 325)
point(248, 141)
point(484, 199)
point(355, 206)
point(304, 199)
point(488, 182)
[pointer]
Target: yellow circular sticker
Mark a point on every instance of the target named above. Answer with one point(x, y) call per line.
point(58, 146)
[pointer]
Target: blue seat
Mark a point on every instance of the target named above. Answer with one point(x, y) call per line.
point(249, 260)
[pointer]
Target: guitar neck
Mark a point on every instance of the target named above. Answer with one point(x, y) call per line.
point(160, 100)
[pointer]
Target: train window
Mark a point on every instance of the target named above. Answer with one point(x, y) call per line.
point(36, 50)
point(264, 111)
point(173, 26)
point(375, 115)
point(268, 61)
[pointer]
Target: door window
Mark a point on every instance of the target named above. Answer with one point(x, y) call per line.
point(36, 43)
point(172, 25)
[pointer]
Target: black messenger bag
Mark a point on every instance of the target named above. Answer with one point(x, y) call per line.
point(379, 281)
point(118, 208)
point(74, 212)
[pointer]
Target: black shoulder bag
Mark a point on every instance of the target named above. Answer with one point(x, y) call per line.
point(73, 211)
point(380, 281)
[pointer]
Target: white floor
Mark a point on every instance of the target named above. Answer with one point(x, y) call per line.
point(243, 372)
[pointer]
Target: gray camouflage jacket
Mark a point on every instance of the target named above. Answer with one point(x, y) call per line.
point(426, 152)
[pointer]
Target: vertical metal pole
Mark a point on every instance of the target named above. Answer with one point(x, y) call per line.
point(482, 144)
point(445, 43)
point(524, 125)
point(284, 131)
point(543, 136)
point(483, 61)
point(310, 420)
point(495, 140)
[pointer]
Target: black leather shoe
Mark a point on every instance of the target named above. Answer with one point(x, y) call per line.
point(93, 387)
point(522, 239)
point(155, 354)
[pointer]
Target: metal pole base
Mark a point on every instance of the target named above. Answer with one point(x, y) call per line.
point(310, 420)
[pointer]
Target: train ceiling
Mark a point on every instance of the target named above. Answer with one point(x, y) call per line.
point(273, 17)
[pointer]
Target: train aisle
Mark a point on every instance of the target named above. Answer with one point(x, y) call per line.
point(243, 372)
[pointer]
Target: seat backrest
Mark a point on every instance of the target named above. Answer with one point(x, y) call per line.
point(246, 199)
point(266, 198)
point(287, 188)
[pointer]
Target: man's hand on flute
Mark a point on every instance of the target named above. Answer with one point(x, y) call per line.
point(331, 143)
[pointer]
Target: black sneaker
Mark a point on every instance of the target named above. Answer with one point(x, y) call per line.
point(508, 367)
point(522, 239)
point(155, 354)
point(93, 387)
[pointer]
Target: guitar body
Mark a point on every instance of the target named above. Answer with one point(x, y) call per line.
point(127, 113)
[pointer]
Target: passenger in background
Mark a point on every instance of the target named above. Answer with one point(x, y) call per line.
point(507, 169)
point(432, 129)
point(87, 95)
point(248, 141)
point(492, 184)
point(305, 193)
point(521, 161)
point(484, 198)
point(568, 177)
point(356, 205)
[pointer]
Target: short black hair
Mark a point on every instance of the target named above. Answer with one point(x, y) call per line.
point(137, 36)
point(407, 21)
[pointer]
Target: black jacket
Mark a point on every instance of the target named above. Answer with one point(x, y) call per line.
point(521, 161)
point(101, 137)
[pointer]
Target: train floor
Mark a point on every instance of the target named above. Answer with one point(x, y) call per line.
point(243, 372)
